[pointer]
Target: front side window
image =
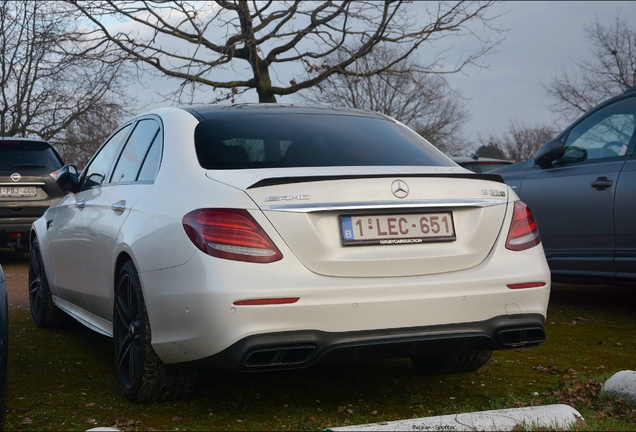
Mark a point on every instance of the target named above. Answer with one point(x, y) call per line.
point(303, 140)
point(605, 134)
point(95, 174)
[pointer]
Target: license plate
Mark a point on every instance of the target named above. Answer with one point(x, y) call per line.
point(28, 191)
point(395, 229)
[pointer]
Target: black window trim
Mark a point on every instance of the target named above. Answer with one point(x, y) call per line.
point(111, 169)
point(113, 166)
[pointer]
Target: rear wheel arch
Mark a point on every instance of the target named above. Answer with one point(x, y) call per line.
point(122, 259)
point(142, 375)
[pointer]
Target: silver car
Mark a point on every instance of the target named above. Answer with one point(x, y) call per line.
point(267, 237)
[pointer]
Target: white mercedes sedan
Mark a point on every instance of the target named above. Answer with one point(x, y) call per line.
point(269, 237)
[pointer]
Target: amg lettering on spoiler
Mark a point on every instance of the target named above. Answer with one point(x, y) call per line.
point(286, 198)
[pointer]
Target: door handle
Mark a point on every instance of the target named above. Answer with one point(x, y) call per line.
point(602, 183)
point(80, 204)
point(119, 206)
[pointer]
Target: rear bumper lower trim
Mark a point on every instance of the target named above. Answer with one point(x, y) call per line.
point(299, 349)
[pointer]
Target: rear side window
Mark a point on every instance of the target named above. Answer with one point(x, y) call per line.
point(135, 152)
point(152, 162)
point(303, 140)
point(28, 155)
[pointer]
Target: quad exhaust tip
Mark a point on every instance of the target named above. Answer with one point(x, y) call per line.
point(520, 337)
point(279, 356)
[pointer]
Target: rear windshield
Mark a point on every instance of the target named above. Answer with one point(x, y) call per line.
point(28, 155)
point(303, 140)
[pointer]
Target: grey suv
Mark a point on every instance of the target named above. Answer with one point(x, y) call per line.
point(27, 187)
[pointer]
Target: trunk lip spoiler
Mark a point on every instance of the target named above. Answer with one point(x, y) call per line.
point(273, 181)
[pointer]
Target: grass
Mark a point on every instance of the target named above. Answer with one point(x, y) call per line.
point(63, 379)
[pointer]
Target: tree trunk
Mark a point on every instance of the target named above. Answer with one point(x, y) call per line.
point(260, 68)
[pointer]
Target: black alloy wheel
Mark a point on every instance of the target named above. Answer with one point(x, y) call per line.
point(143, 377)
point(127, 333)
point(43, 310)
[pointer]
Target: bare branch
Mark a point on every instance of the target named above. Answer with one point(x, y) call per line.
point(424, 101)
point(518, 143)
point(52, 74)
point(611, 72)
point(199, 43)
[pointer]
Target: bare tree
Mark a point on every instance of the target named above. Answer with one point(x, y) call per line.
point(518, 143)
point(239, 45)
point(424, 101)
point(611, 71)
point(81, 139)
point(51, 75)
point(490, 150)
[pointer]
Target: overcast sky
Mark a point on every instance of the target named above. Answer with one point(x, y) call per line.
point(542, 38)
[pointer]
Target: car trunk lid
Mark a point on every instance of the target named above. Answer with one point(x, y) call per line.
point(392, 213)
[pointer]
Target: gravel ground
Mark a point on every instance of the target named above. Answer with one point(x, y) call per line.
point(16, 272)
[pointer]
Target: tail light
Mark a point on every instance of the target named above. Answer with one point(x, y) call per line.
point(231, 234)
point(526, 285)
point(524, 232)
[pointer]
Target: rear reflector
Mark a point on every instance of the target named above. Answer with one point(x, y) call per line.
point(231, 234)
point(526, 285)
point(266, 301)
point(524, 232)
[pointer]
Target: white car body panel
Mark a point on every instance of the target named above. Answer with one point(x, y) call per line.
point(314, 237)
point(328, 304)
point(101, 232)
point(63, 252)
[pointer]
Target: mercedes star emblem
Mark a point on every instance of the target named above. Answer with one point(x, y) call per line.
point(400, 189)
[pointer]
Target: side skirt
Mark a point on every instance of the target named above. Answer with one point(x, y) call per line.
point(92, 321)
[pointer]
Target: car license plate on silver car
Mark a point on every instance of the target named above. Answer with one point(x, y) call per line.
point(28, 191)
point(394, 229)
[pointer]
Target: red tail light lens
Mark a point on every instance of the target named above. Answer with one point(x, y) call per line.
point(526, 285)
point(524, 232)
point(267, 301)
point(231, 234)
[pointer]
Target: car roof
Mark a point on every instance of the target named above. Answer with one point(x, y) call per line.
point(22, 139)
point(207, 111)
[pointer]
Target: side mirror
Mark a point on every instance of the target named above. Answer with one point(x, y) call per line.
point(574, 154)
point(67, 178)
point(548, 153)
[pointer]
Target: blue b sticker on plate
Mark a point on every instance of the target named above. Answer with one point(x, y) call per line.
point(347, 228)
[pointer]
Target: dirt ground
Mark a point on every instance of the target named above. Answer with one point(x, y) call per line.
point(16, 272)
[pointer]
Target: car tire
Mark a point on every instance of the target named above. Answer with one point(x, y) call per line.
point(143, 376)
point(452, 363)
point(43, 310)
